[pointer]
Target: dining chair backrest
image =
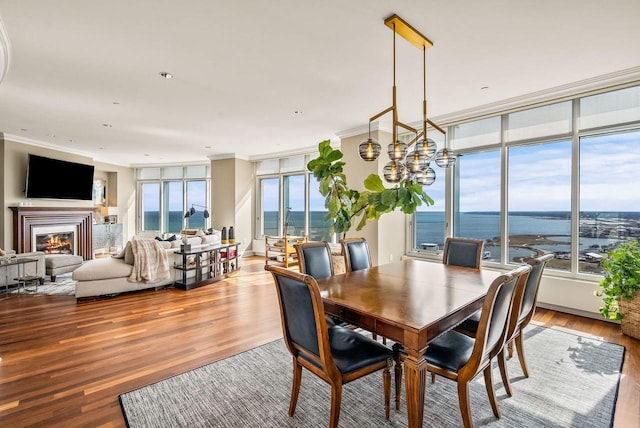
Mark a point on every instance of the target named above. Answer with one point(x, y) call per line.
point(356, 254)
point(302, 314)
point(465, 252)
point(315, 259)
point(492, 328)
point(533, 285)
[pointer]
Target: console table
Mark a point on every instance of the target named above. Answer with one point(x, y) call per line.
point(207, 264)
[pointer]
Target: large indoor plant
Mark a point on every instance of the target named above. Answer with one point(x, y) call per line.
point(346, 205)
point(620, 287)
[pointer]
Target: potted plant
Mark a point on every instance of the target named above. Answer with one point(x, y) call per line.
point(620, 287)
point(346, 205)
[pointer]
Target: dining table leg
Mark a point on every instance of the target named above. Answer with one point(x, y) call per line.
point(415, 370)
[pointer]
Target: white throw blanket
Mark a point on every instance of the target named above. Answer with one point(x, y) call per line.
point(150, 261)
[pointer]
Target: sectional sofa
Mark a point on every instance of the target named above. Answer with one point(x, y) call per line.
point(106, 276)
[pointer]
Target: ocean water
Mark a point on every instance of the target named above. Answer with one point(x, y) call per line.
point(430, 227)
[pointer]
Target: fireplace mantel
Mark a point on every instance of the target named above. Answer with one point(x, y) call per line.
point(26, 218)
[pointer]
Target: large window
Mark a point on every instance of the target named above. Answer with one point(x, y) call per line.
point(165, 194)
point(609, 201)
point(557, 178)
point(477, 200)
point(150, 203)
point(540, 202)
point(290, 201)
point(270, 206)
point(430, 220)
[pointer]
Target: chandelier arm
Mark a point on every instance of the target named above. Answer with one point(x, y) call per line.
point(418, 135)
point(382, 113)
point(407, 127)
point(437, 127)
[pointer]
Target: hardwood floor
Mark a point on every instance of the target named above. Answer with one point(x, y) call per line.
point(65, 363)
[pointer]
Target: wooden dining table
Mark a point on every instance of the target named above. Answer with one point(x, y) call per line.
point(411, 302)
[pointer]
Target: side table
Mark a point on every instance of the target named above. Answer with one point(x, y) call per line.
point(22, 279)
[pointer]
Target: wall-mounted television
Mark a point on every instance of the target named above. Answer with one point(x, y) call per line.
point(58, 179)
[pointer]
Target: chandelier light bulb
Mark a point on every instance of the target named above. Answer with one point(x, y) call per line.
point(397, 151)
point(394, 172)
point(446, 158)
point(369, 150)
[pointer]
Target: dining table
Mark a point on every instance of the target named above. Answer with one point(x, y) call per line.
point(410, 302)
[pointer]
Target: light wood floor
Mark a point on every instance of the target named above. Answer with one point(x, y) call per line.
point(65, 363)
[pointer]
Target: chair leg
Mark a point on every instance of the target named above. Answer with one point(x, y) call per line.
point(295, 387)
point(502, 364)
point(336, 398)
point(510, 348)
point(488, 382)
point(398, 379)
point(53, 278)
point(465, 406)
point(374, 336)
point(520, 349)
point(386, 382)
point(433, 378)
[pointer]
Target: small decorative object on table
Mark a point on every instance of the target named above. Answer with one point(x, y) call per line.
point(185, 245)
point(224, 238)
point(232, 236)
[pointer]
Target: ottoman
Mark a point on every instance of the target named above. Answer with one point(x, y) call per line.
point(56, 264)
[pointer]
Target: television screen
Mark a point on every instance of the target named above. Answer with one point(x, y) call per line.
point(58, 179)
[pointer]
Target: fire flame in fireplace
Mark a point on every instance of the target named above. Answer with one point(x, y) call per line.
point(55, 243)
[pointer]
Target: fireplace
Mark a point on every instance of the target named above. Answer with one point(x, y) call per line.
point(55, 239)
point(33, 225)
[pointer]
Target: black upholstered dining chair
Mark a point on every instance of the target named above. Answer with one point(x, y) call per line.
point(315, 259)
point(459, 357)
point(465, 252)
point(356, 254)
point(519, 318)
point(336, 354)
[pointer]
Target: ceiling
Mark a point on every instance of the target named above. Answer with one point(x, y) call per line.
point(84, 76)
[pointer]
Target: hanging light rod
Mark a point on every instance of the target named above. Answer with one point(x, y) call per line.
point(409, 33)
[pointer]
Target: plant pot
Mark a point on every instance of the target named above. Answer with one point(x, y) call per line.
point(631, 311)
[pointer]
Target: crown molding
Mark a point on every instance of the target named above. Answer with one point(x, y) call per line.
point(364, 129)
point(37, 143)
point(594, 84)
point(335, 143)
point(222, 156)
point(571, 90)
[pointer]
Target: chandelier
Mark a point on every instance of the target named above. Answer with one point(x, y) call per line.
point(414, 165)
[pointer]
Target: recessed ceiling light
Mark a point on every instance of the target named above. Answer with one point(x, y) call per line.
point(207, 147)
point(166, 75)
point(71, 141)
point(107, 125)
point(298, 112)
point(51, 135)
point(101, 148)
point(23, 129)
point(115, 103)
point(484, 87)
point(147, 154)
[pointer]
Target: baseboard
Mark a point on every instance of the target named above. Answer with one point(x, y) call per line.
point(572, 311)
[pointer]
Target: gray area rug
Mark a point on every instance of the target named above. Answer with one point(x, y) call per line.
point(63, 286)
point(573, 383)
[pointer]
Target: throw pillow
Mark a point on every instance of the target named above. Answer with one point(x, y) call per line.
point(120, 255)
point(2, 252)
point(128, 254)
point(169, 239)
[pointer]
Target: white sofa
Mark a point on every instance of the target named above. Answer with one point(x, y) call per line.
point(9, 273)
point(111, 275)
